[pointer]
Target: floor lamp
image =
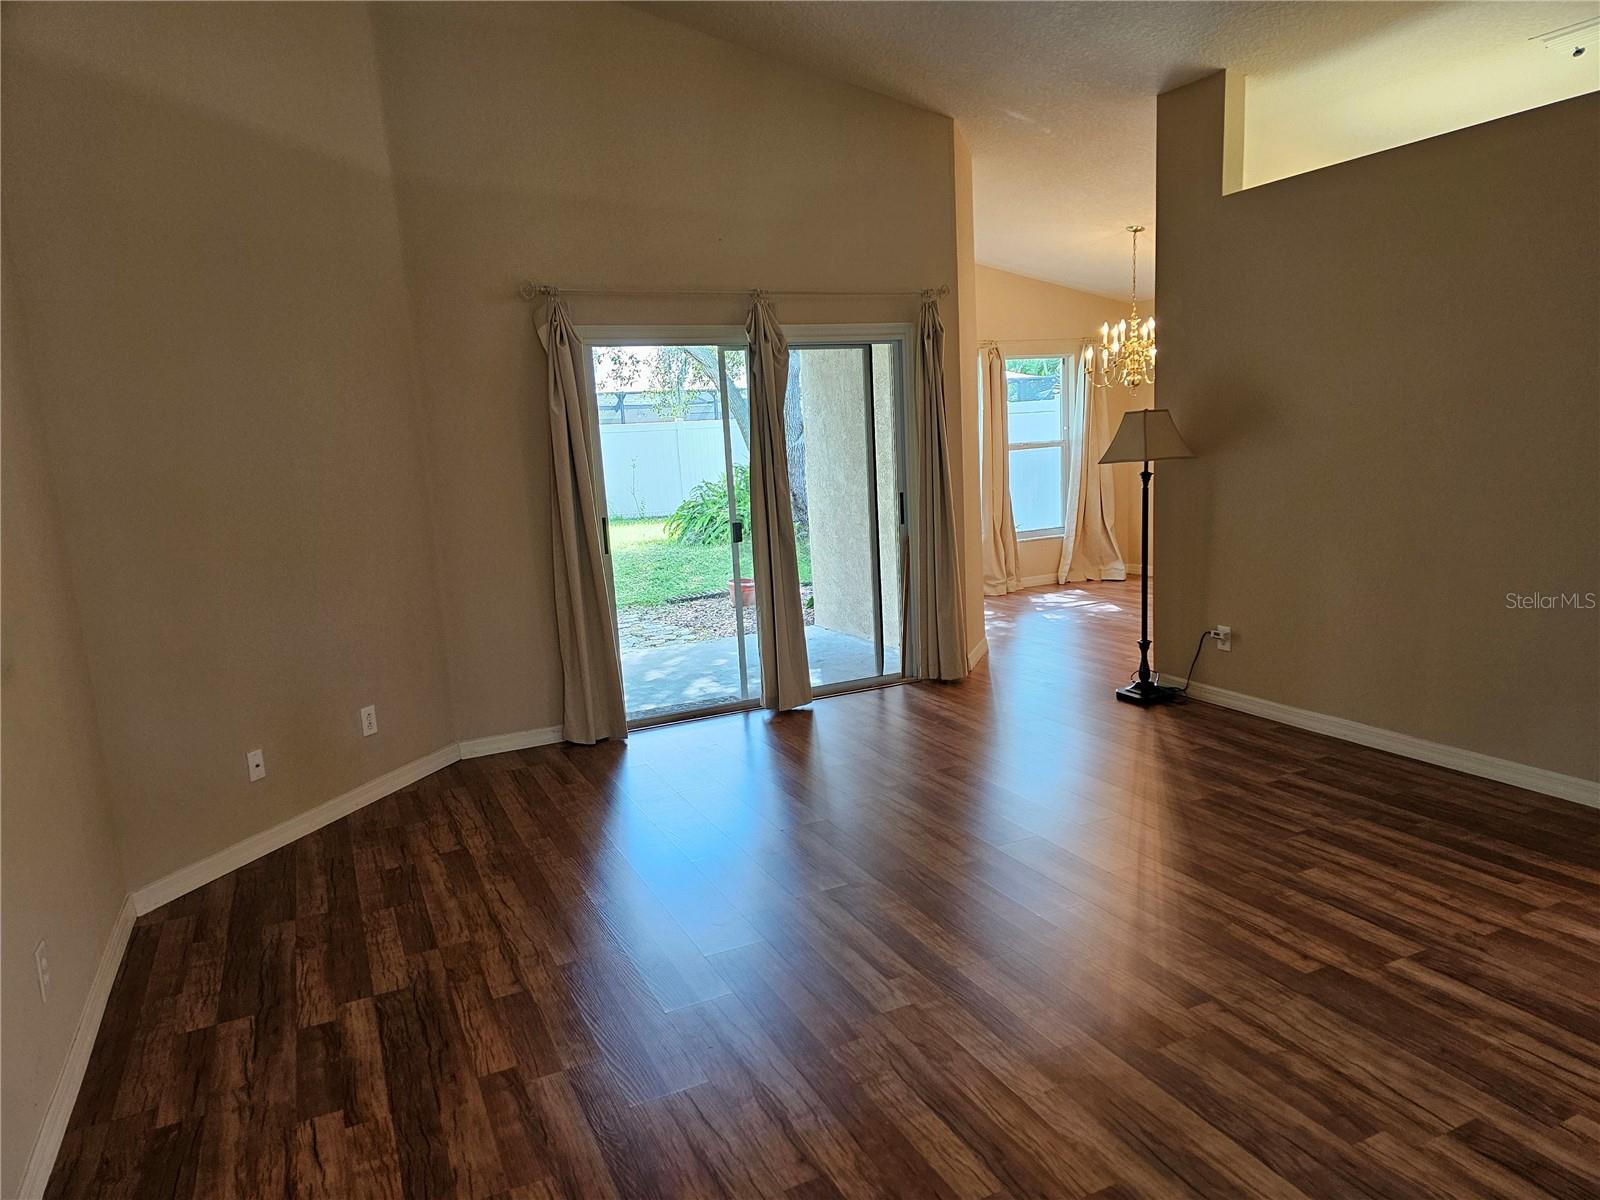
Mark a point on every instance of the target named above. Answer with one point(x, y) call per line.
point(1145, 435)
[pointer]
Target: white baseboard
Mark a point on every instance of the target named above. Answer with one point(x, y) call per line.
point(48, 1144)
point(500, 743)
point(215, 866)
point(231, 858)
point(1469, 762)
point(977, 654)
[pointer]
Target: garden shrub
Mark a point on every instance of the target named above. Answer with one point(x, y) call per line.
point(702, 518)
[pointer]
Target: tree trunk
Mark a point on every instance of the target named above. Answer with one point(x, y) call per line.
point(795, 447)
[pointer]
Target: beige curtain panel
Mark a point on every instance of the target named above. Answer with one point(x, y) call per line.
point(780, 619)
point(1089, 545)
point(937, 639)
point(591, 674)
point(1001, 573)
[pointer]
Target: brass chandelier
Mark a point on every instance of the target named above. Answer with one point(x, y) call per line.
point(1127, 349)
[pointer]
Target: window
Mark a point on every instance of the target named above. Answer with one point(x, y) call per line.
point(1036, 423)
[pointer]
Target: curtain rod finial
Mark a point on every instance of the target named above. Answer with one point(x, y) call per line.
point(937, 293)
point(530, 290)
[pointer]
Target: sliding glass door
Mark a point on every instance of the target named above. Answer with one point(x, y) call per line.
point(844, 471)
point(672, 419)
point(675, 470)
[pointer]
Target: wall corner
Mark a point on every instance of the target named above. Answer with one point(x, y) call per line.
point(1233, 98)
point(963, 351)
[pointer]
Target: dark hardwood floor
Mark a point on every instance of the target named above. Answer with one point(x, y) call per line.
point(1004, 939)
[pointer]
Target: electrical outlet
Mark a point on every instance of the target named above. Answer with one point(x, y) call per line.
point(369, 720)
point(257, 764)
point(1224, 636)
point(41, 964)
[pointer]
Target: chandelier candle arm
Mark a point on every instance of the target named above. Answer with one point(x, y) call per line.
point(1128, 348)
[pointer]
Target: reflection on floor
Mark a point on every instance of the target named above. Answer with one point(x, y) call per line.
point(693, 675)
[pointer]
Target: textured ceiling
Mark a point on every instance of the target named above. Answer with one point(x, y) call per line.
point(1058, 99)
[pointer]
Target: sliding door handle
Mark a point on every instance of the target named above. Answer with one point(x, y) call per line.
point(605, 535)
point(737, 528)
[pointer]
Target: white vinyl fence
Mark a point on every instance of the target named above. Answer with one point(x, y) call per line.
point(651, 466)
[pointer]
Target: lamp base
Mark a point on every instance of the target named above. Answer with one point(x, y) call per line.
point(1144, 693)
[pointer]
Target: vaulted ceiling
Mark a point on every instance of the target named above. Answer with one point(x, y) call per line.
point(1058, 99)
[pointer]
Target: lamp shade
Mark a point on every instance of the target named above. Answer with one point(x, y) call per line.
point(1145, 434)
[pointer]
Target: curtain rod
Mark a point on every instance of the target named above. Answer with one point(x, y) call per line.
point(1055, 341)
point(531, 291)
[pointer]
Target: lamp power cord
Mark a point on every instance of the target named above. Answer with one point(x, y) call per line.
point(1182, 694)
point(1188, 676)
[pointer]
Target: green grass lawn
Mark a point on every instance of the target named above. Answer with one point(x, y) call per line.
point(651, 570)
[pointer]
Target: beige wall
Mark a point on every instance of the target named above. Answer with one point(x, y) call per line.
point(63, 882)
point(292, 411)
point(203, 233)
point(1388, 371)
point(1032, 317)
point(595, 145)
point(293, 405)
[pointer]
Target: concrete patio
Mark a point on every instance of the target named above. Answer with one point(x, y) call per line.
point(665, 679)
